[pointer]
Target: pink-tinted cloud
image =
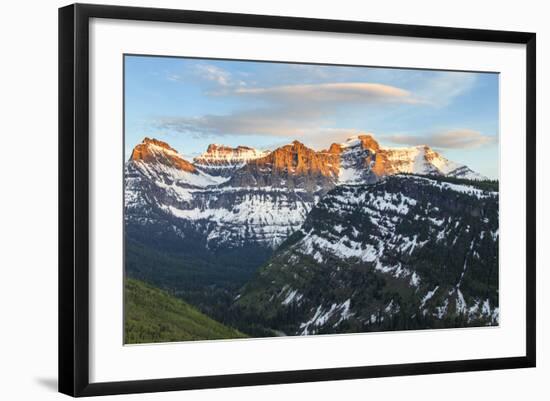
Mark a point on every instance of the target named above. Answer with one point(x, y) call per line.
point(453, 139)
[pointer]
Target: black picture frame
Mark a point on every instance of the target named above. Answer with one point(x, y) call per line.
point(74, 198)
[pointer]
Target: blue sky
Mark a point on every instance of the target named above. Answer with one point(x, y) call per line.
point(191, 103)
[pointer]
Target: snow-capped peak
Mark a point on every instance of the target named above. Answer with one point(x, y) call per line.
point(226, 156)
point(362, 152)
point(359, 139)
point(153, 151)
point(422, 159)
point(164, 165)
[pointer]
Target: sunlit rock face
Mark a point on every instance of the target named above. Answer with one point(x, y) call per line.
point(153, 151)
point(225, 160)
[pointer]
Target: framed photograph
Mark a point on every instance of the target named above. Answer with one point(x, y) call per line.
point(250, 199)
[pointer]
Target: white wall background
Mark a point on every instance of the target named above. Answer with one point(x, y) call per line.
point(28, 199)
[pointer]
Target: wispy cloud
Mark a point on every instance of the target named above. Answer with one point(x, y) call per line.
point(208, 72)
point(218, 75)
point(443, 87)
point(454, 139)
point(251, 122)
point(289, 110)
point(356, 92)
point(312, 109)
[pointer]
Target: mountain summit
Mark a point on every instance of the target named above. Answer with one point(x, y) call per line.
point(296, 158)
point(153, 151)
point(291, 166)
point(365, 141)
point(362, 152)
point(223, 160)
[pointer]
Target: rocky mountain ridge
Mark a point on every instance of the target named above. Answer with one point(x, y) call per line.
point(224, 160)
point(358, 155)
point(263, 196)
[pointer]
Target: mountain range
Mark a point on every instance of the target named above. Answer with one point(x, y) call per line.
point(356, 237)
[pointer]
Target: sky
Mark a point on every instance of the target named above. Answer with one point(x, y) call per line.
point(191, 103)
